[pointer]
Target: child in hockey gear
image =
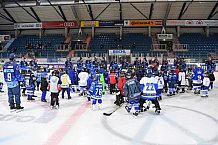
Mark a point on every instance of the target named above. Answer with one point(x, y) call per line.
point(197, 79)
point(44, 88)
point(132, 92)
point(73, 77)
point(54, 83)
point(160, 82)
point(1, 86)
point(189, 77)
point(89, 83)
point(113, 81)
point(30, 86)
point(172, 81)
point(148, 86)
point(12, 78)
point(65, 84)
point(212, 79)
point(120, 91)
point(96, 92)
point(181, 80)
point(83, 77)
point(206, 84)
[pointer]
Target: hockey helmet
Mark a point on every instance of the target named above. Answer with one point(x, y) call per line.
point(198, 65)
point(12, 56)
point(128, 75)
point(173, 68)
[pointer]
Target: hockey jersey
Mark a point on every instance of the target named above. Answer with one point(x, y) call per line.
point(198, 75)
point(159, 81)
point(12, 75)
point(172, 79)
point(181, 78)
point(206, 82)
point(148, 86)
point(83, 77)
point(96, 90)
point(132, 89)
point(65, 81)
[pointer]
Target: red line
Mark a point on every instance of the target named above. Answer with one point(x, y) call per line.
point(59, 134)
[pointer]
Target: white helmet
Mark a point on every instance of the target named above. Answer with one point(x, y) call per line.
point(198, 65)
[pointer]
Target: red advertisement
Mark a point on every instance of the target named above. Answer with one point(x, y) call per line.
point(72, 24)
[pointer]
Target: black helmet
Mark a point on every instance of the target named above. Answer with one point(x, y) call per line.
point(128, 75)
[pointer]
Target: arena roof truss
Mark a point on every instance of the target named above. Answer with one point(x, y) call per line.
point(16, 11)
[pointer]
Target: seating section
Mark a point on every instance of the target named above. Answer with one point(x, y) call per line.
point(136, 42)
point(198, 44)
point(48, 44)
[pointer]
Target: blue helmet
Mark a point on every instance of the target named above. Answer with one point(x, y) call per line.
point(173, 68)
point(12, 56)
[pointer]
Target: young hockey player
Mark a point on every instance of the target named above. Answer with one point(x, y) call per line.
point(65, 84)
point(74, 79)
point(89, 83)
point(54, 89)
point(181, 80)
point(132, 92)
point(113, 81)
point(212, 79)
point(197, 79)
point(206, 84)
point(160, 82)
point(12, 78)
point(120, 93)
point(148, 86)
point(172, 81)
point(83, 77)
point(68, 64)
point(96, 92)
point(29, 84)
point(44, 88)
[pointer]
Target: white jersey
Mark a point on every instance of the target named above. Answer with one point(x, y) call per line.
point(54, 84)
point(65, 81)
point(159, 81)
point(182, 78)
point(83, 77)
point(206, 82)
point(149, 87)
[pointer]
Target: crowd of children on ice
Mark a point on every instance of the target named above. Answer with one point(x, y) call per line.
point(138, 84)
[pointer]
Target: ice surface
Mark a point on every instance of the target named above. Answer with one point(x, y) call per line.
point(185, 119)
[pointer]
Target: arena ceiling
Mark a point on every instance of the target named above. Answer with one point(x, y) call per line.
point(20, 11)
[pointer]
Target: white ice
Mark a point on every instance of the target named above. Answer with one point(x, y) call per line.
point(185, 119)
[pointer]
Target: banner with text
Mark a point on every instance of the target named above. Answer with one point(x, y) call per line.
point(111, 23)
point(89, 24)
point(119, 52)
point(27, 25)
point(141, 23)
point(192, 22)
point(72, 24)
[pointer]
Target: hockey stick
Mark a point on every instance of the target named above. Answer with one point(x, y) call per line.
point(109, 114)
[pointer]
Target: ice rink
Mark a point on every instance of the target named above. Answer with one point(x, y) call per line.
point(185, 119)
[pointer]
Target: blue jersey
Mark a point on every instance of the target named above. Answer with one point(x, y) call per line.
point(198, 75)
point(12, 75)
point(68, 65)
point(23, 63)
point(172, 79)
point(29, 82)
point(211, 66)
point(33, 64)
point(96, 90)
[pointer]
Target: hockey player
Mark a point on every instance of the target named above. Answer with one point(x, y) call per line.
point(165, 77)
point(181, 80)
point(165, 64)
point(120, 93)
point(12, 78)
point(33, 64)
point(132, 92)
point(148, 86)
point(211, 65)
point(74, 79)
point(113, 81)
point(79, 65)
point(54, 89)
point(89, 83)
point(83, 77)
point(68, 64)
point(172, 81)
point(65, 84)
point(44, 88)
point(160, 82)
point(23, 63)
point(29, 84)
point(197, 78)
point(206, 84)
point(96, 92)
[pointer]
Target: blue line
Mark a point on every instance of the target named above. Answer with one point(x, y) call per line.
point(144, 129)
